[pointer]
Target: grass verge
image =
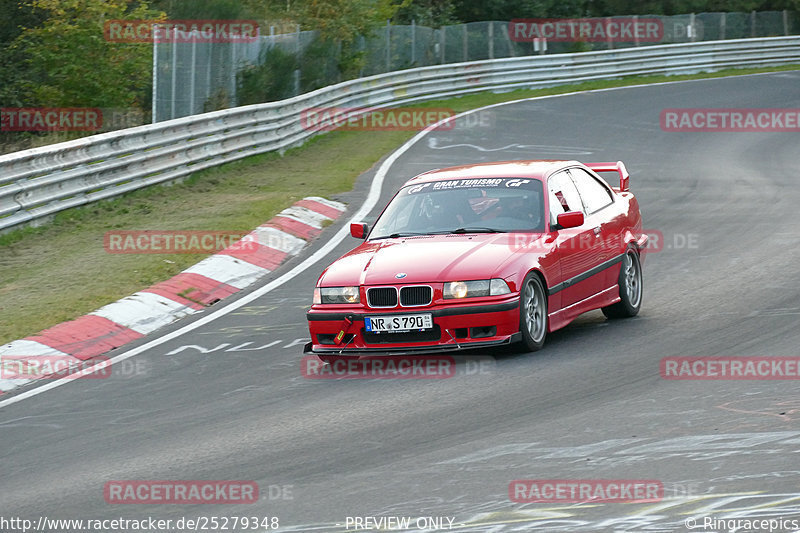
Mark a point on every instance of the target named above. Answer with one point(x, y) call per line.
point(60, 271)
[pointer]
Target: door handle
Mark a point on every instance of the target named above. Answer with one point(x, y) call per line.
point(597, 230)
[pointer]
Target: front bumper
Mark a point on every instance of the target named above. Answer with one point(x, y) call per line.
point(456, 327)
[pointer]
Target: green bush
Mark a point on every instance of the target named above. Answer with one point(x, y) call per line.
point(320, 65)
point(272, 79)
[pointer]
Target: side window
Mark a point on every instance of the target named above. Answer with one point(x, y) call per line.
point(563, 195)
point(595, 195)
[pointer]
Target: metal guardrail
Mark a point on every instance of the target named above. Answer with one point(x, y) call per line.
point(194, 77)
point(40, 182)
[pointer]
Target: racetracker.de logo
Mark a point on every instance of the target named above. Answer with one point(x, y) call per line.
point(387, 367)
point(656, 242)
point(589, 30)
point(730, 368)
point(50, 119)
point(180, 492)
point(53, 367)
point(730, 120)
point(584, 490)
point(177, 242)
point(371, 119)
point(181, 31)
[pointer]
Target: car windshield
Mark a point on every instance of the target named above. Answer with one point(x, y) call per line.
point(474, 205)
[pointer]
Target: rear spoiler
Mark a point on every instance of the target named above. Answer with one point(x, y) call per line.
point(619, 166)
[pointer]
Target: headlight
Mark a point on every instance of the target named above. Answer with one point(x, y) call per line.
point(336, 295)
point(472, 289)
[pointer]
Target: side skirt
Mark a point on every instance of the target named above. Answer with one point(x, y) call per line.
point(562, 317)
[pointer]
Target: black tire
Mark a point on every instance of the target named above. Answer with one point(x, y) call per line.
point(533, 313)
point(630, 287)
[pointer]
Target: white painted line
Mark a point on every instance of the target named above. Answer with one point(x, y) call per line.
point(227, 269)
point(144, 312)
point(324, 250)
point(277, 239)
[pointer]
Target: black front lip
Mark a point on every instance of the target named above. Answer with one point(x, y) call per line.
point(449, 311)
point(411, 350)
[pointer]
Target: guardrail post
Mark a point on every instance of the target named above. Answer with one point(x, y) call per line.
point(491, 39)
point(635, 34)
point(443, 43)
point(362, 46)
point(691, 29)
point(388, 46)
point(192, 109)
point(464, 45)
point(174, 70)
point(154, 104)
point(722, 23)
point(209, 89)
point(785, 22)
point(232, 100)
point(753, 23)
point(297, 55)
point(413, 41)
point(512, 52)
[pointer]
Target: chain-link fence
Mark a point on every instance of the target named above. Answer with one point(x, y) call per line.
point(195, 77)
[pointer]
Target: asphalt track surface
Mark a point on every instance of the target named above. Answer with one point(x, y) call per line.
point(227, 401)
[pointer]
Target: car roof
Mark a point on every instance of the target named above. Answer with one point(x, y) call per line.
point(539, 169)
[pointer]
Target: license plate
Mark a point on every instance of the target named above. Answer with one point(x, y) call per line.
point(398, 323)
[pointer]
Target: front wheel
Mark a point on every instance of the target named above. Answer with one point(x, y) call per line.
point(630, 288)
point(533, 313)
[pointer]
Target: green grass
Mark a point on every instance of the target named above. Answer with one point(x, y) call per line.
point(60, 271)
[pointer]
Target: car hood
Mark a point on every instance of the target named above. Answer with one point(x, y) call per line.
point(425, 259)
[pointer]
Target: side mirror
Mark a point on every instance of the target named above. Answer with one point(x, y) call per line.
point(359, 230)
point(571, 219)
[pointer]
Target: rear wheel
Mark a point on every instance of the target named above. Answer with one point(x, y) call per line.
point(533, 313)
point(630, 288)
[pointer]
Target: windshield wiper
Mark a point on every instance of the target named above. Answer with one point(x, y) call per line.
point(476, 229)
point(400, 234)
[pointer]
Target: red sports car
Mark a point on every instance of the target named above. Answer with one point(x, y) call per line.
point(480, 255)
